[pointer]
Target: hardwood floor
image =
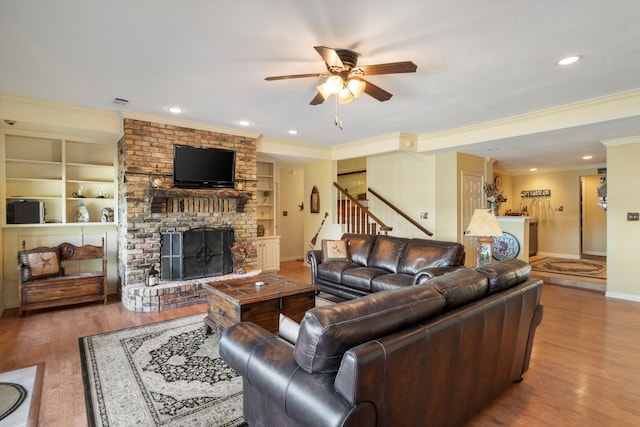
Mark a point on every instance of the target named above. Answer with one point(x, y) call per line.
point(585, 367)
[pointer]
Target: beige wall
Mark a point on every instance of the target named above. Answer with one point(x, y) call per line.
point(558, 230)
point(594, 222)
point(623, 177)
point(408, 181)
point(321, 174)
point(290, 190)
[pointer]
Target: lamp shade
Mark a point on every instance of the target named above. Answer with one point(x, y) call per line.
point(356, 87)
point(483, 223)
point(345, 96)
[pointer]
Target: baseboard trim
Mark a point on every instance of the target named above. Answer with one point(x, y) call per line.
point(626, 297)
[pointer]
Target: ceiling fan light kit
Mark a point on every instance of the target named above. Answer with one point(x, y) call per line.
point(344, 77)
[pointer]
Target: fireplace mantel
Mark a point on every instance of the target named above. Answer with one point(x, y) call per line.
point(161, 196)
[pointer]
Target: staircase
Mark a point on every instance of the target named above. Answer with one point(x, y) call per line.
point(355, 217)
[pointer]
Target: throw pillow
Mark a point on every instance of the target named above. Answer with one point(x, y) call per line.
point(335, 250)
point(288, 329)
point(38, 263)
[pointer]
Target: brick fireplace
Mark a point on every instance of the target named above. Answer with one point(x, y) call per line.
point(145, 212)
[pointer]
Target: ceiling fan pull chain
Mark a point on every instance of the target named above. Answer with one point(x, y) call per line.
point(337, 120)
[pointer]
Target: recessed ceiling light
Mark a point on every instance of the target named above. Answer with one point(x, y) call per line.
point(533, 169)
point(175, 110)
point(293, 132)
point(244, 123)
point(568, 60)
point(587, 157)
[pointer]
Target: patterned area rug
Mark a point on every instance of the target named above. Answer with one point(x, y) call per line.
point(573, 267)
point(163, 374)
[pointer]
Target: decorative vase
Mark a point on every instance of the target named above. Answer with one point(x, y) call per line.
point(260, 230)
point(81, 213)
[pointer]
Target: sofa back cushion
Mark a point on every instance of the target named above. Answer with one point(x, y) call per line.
point(387, 252)
point(421, 253)
point(505, 274)
point(360, 246)
point(327, 332)
point(460, 287)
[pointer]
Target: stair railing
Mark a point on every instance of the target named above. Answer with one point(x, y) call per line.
point(400, 212)
point(355, 217)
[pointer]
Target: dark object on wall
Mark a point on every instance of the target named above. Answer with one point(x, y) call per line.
point(195, 253)
point(315, 200)
point(203, 167)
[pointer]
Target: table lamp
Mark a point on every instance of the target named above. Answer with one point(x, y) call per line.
point(484, 225)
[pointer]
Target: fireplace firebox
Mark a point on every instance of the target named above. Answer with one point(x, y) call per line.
point(195, 253)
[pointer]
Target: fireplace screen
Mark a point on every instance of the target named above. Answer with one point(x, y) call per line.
point(199, 252)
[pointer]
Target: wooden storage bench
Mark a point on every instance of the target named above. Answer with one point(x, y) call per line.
point(43, 283)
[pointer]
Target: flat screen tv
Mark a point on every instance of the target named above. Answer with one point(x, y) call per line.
point(195, 167)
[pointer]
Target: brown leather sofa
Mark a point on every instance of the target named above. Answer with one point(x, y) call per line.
point(433, 354)
point(379, 263)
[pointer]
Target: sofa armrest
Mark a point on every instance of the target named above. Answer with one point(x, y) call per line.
point(266, 362)
point(427, 273)
point(314, 257)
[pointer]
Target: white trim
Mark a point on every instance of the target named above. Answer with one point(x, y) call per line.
point(621, 141)
point(626, 297)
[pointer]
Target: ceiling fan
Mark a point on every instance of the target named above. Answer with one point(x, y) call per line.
point(345, 77)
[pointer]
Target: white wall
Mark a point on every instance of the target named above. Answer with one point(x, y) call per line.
point(623, 257)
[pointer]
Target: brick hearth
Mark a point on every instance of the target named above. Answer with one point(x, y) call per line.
point(168, 295)
point(146, 149)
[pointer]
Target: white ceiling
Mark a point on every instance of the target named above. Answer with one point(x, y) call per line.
point(477, 61)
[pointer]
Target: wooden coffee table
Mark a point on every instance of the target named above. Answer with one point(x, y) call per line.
point(240, 300)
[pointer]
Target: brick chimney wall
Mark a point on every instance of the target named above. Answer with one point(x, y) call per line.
point(146, 149)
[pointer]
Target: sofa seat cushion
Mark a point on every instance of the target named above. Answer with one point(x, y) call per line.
point(387, 252)
point(332, 270)
point(327, 332)
point(361, 277)
point(460, 287)
point(505, 274)
point(421, 253)
point(391, 281)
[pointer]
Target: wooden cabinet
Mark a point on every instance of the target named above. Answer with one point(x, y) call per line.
point(268, 253)
point(61, 173)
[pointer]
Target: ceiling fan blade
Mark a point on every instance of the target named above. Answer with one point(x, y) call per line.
point(390, 68)
point(318, 99)
point(330, 57)
point(296, 76)
point(376, 92)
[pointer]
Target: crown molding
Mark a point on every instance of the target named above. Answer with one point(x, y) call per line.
point(186, 124)
point(621, 141)
point(611, 107)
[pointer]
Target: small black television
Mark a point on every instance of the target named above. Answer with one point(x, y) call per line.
point(195, 167)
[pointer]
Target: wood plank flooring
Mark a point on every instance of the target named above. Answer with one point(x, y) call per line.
point(585, 368)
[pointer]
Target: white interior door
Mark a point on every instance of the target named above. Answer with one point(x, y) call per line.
point(472, 198)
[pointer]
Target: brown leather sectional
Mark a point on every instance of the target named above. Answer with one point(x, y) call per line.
point(378, 263)
point(432, 354)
